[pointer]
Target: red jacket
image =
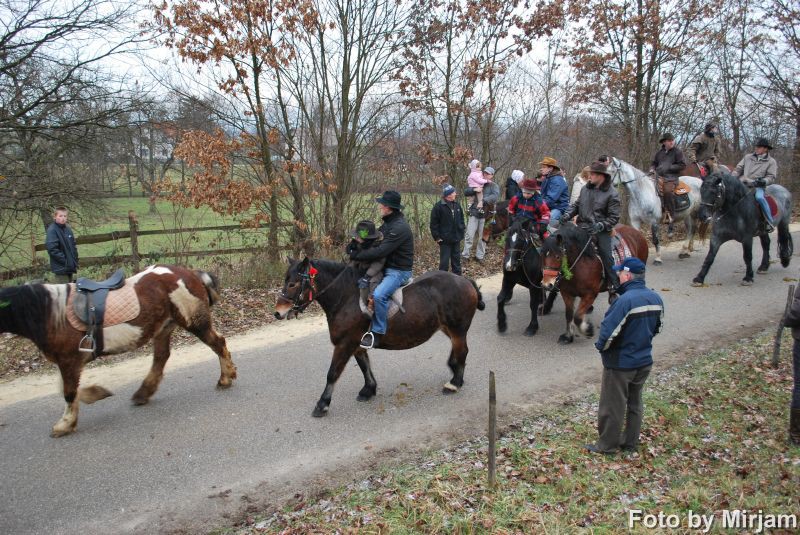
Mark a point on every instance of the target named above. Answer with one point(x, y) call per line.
point(534, 208)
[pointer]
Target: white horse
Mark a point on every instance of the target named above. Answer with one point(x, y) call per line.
point(644, 204)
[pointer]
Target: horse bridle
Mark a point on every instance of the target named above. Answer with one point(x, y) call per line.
point(563, 254)
point(307, 279)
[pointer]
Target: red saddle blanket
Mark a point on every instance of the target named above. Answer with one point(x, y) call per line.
point(122, 306)
point(773, 205)
point(620, 249)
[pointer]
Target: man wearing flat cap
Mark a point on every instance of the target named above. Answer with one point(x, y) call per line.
point(398, 248)
point(555, 190)
point(704, 149)
point(626, 347)
point(667, 164)
point(758, 170)
point(598, 209)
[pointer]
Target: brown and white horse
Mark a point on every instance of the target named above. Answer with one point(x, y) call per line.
point(169, 297)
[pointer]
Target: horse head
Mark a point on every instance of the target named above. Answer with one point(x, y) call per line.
point(712, 196)
point(298, 289)
point(518, 242)
point(553, 254)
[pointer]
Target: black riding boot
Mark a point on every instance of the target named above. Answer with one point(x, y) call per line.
point(794, 427)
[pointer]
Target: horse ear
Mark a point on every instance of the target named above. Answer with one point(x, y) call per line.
point(559, 239)
point(304, 262)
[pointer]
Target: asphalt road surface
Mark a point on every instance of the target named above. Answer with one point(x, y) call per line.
point(195, 456)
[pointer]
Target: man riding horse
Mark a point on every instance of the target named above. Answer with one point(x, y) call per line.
point(598, 210)
point(758, 170)
point(555, 190)
point(398, 249)
point(667, 164)
point(704, 150)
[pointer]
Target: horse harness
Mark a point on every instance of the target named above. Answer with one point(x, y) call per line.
point(530, 244)
point(560, 274)
point(308, 279)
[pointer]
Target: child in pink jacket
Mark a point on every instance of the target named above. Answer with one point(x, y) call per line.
point(476, 181)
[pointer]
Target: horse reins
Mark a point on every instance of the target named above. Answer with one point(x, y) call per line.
point(522, 258)
point(559, 274)
point(308, 278)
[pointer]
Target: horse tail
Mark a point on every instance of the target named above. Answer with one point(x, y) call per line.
point(702, 230)
point(785, 245)
point(481, 304)
point(211, 283)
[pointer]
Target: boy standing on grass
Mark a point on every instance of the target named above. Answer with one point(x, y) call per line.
point(62, 248)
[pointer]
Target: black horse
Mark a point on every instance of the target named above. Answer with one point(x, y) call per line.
point(522, 265)
point(736, 217)
point(435, 301)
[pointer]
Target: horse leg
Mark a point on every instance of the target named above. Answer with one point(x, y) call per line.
point(502, 298)
point(747, 253)
point(340, 357)
point(216, 342)
point(551, 298)
point(536, 298)
point(712, 253)
point(70, 376)
point(688, 245)
point(456, 362)
point(582, 316)
point(569, 303)
point(370, 384)
point(765, 243)
point(656, 231)
point(160, 356)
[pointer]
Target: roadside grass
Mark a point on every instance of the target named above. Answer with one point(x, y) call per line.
point(713, 439)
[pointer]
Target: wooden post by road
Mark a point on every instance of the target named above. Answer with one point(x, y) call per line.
point(492, 431)
point(776, 348)
point(134, 224)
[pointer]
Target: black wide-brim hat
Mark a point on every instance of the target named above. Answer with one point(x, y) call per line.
point(391, 199)
point(666, 137)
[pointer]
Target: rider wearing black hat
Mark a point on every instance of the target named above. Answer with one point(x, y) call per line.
point(758, 170)
point(365, 236)
point(667, 164)
point(398, 249)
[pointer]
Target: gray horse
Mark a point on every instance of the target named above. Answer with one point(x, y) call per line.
point(736, 217)
point(644, 204)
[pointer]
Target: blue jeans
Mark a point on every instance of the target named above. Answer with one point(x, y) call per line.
point(764, 205)
point(392, 280)
point(555, 215)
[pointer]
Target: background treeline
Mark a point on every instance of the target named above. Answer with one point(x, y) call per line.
point(294, 114)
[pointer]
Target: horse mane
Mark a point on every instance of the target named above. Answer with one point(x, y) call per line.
point(574, 239)
point(27, 311)
point(734, 189)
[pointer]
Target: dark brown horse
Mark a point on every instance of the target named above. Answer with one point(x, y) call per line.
point(499, 223)
point(435, 301)
point(570, 261)
point(168, 297)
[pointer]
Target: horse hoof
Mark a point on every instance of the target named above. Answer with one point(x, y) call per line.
point(530, 331)
point(746, 283)
point(564, 339)
point(684, 256)
point(501, 328)
point(139, 401)
point(762, 271)
point(449, 388)
point(223, 385)
point(56, 433)
point(319, 412)
point(365, 396)
point(657, 262)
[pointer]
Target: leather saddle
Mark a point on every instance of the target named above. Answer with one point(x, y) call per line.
point(395, 303)
point(89, 306)
point(680, 194)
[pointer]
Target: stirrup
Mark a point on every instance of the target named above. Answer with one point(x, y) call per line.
point(368, 340)
point(91, 347)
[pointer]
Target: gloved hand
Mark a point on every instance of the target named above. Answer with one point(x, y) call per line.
point(352, 254)
point(760, 183)
point(363, 282)
point(598, 227)
point(747, 182)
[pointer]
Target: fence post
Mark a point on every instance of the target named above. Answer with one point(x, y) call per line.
point(776, 348)
point(134, 224)
point(492, 432)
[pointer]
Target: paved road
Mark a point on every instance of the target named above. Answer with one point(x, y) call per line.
point(196, 454)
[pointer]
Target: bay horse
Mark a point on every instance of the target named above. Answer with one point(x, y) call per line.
point(736, 216)
point(521, 265)
point(644, 205)
point(434, 301)
point(169, 297)
point(570, 261)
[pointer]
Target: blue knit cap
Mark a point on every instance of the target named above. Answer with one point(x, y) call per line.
point(447, 190)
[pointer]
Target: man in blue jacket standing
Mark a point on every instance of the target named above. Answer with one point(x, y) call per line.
point(62, 248)
point(555, 190)
point(626, 346)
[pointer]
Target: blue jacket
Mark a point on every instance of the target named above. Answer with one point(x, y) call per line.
point(555, 192)
point(631, 322)
point(63, 250)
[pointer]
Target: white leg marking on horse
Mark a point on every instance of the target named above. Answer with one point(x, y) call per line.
point(187, 304)
point(121, 338)
point(207, 279)
point(155, 270)
point(451, 387)
point(68, 421)
point(58, 295)
point(584, 327)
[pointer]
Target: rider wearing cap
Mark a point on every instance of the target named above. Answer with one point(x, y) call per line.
point(530, 205)
point(398, 248)
point(668, 164)
point(705, 148)
point(598, 210)
point(758, 170)
point(555, 190)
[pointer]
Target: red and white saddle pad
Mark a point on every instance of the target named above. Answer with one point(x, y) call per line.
point(121, 306)
point(620, 249)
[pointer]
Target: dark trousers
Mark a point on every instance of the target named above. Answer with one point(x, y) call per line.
point(604, 248)
point(621, 402)
point(796, 367)
point(64, 279)
point(450, 255)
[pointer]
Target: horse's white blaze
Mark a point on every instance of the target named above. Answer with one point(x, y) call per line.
point(121, 338)
point(58, 296)
point(187, 304)
point(155, 270)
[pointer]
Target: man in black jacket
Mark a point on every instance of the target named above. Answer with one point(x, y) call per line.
point(61, 248)
point(668, 164)
point(398, 248)
point(447, 229)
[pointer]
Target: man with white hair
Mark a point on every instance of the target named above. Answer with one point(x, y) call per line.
point(512, 184)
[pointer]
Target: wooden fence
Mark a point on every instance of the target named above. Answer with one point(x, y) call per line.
point(135, 257)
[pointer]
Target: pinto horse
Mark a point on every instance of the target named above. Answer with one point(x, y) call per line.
point(570, 262)
point(169, 297)
point(736, 217)
point(435, 301)
point(521, 265)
